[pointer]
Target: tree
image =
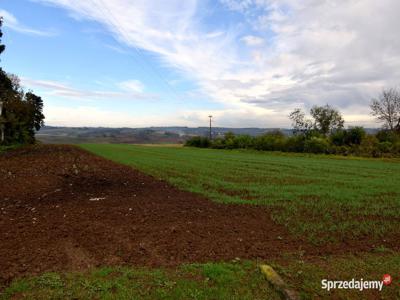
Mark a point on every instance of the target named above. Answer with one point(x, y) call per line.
point(36, 105)
point(2, 47)
point(2, 86)
point(299, 122)
point(22, 114)
point(326, 119)
point(386, 109)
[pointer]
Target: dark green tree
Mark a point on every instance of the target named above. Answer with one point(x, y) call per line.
point(326, 119)
point(36, 105)
point(21, 114)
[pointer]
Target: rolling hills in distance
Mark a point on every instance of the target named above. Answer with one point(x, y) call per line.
point(147, 135)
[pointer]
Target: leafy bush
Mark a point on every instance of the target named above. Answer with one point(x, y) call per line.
point(369, 146)
point(388, 136)
point(351, 136)
point(338, 138)
point(396, 148)
point(272, 141)
point(316, 145)
point(340, 150)
point(353, 141)
point(198, 141)
point(243, 141)
point(385, 147)
point(354, 135)
point(294, 143)
point(218, 143)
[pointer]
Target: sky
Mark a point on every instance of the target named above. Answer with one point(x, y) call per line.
point(249, 63)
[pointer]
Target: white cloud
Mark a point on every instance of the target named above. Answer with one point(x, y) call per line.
point(133, 90)
point(10, 21)
point(252, 40)
point(132, 85)
point(341, 52)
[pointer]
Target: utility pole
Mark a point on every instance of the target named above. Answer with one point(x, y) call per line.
point(210, 116)
point(1, 123)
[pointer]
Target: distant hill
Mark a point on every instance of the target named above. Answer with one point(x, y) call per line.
point(148, 135)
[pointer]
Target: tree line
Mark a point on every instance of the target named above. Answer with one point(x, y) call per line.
point(324, 132)
point(21, 113)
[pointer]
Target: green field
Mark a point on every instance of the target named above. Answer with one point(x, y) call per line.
point(322, 198)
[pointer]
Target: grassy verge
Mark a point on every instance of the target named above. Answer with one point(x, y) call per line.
point(236, 280)
point(197, 281)
point(305, 277)
point(323, 198)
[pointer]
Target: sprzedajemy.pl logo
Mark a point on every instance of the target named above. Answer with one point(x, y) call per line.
point(360, 284)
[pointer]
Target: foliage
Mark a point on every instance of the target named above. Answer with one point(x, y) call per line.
point(21, 113)
point(324, 133)
point(355, 135)
point(351, 136)
point(386, 109)
point(299, 122)
point(352, 141)
point(316, 145)
point(272, 141)
point(2, 47)
point(198, 141)
point(294, 143)
point(388, 136)
point(326, 119)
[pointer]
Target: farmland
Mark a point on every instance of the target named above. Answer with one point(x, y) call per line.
point(348, 208)
point(76, 225)
point(322, 198)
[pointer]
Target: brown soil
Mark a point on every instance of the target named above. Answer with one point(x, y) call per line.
point(62, 208)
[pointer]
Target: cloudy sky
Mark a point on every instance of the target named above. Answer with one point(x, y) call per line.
point(248, 63)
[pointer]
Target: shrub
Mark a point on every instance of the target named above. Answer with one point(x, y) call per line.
point(243, 141)
point(369, 146)
point(294, 143)
point(198, 141)
point(388, 136)
point(351, 136)
point(316, 145)
point(271, 141)
point(218, 143)
point(228, 140)
point(354, 136)
point(385, 147)
point(396, 148)
point(338, 138)
point(340, 150)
